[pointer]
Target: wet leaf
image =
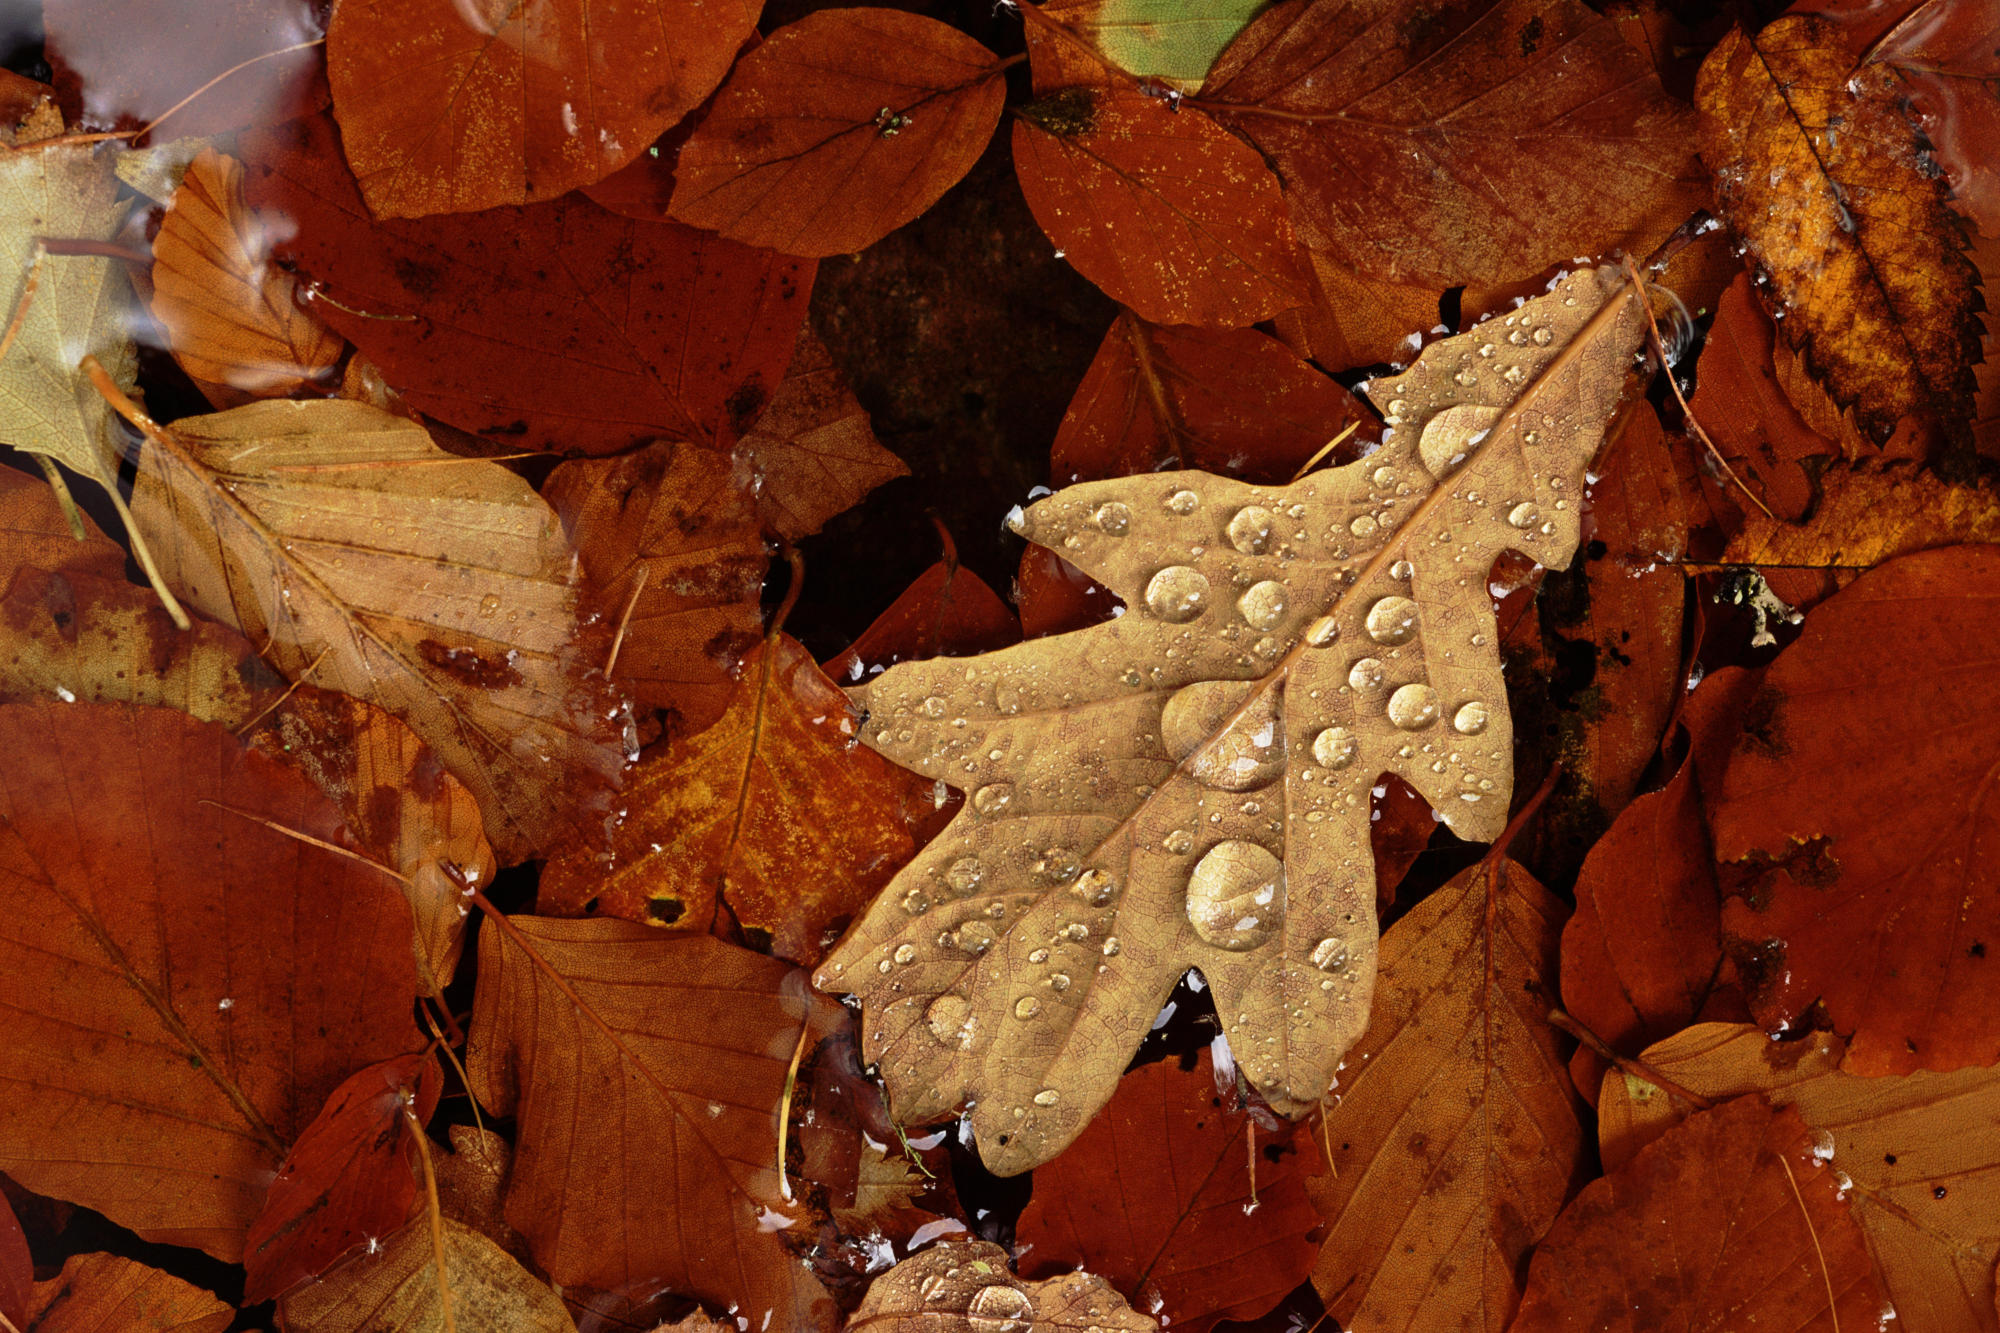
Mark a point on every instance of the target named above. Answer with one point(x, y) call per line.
point(1188, 785)
point(837, 130)
point(437, 587)
point(1478, 144)
point(560, 326)
point(814, 452)
point(1729, 1220)
point(1822, 180)
point(1454, 1138)
point(230, 315)
point(472, 1185)
point(95, 1292)
point(1878, 910)
point(672, 532)
point(644, 1072)
point(1947, 55)
point(1167, 212)
point(966, 1286)
point(398, 1289)
point(773, 810)
point(453, 109)
point(1921, 1167)
point(1175, 1198)
point(228, 976)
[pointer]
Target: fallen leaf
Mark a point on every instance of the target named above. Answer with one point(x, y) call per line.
point(17, 1268)
point(33, 531)
point(229, 313)
point(1824, 182)
point(397, 1288)
point(948, 610)
point(644, 1072)
point(814, 452)
point(1172, 41)
point(1876, 909)
point(1350, 321)
point(1731, 1220)
point(96, 1292)
point(1477, 145)
point(774, 811)
point(1142, 792)
point(967, 1283)
point(1231, 401)
point(1945, 55)
point(1916, 1154)
point(670, 531)
point(349, 1179)
point(1178, 1200)
point(559, 326)
point(838, 129)
point(450, 110)
point(228, 977)
point(472, 1185)
point(438, 587)
point(1166, 211)
point(1454, 1138)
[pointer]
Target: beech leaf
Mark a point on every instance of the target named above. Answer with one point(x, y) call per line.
point(1188, 785)
point(964, 1287)
point(96, 1292)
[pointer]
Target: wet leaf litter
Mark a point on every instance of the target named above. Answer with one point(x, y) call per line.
point(580, 766)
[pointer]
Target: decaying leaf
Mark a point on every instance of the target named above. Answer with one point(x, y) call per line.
point(813, 450)
point(1825, 182)
point(1868, 515)
point(97, 1292)
point(396, 1287)
point(837, 130)
point(965, 1288)
point(1188, 785)
point(371, 561)
point(228, 977)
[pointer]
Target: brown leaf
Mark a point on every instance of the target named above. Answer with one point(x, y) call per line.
point(966, 1288)
point(947, 610)
point(644, 1072)
point(396, 1287)
point(444, 110)
point(229, 313)
point(1915, 1153)
point(227, 976)
point(1455, 1137)
point(1168, 212)
point(1135, 785)
point(472, 1185)
point(672, 532)
point(1947, 56)
point(99, 1292)
point(1823, 181)
point(438, 587)
point(33, 531)
point(773, 810)
point(1475, 145)
point(1351, 321)
point(837, 130)
point(17, 1268)
point(1731, 1220)
point(813, 449)
point(1878, 909)
point(1175, 1198)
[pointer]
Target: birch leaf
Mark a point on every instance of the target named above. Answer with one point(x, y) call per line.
point(1188, 785)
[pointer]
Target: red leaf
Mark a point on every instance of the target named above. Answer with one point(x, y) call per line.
point(1158, 1196)
point(558, 326)
point(948, 611)
point(837, 130)
point(346, 1181)
point(1168, 212)
point(17, 1268)
point(451, 108)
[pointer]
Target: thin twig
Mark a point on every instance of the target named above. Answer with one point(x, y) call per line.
point(308, 838)
point(1832, 1309)
point(64, 500)
point(1326, 449)
point(153, 124)
point(21, 306)
point(423, 1141)
point(625, 619)
point(1625, 1064)
point(785, 1108)
point(100, 379)
point(278, 702)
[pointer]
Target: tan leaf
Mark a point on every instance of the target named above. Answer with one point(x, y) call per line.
point(1917, 1151)
point(437, 587)
point(397, 1288)
point(1144, 791)
point(472, 1184)
point(100, 1292)
point(813, 448)
point(966, 1288)
point(1868, 515)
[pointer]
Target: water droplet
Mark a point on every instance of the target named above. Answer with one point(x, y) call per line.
point(1413, 707)
point(1517, 338)
point(1365, 674)
point(1250, 529)
point(916, 902)
point(1000, 1308)
point(964, 874)
point(1402, 569)
point(489, 605)
point(1096, 887)
point(1179, 841)
point(1038, 956)
point(1385, 476)
point(1177, 593)
point(1112, 518)
point(1524, 515)
point(1058, 981)
point(1249, 753)
point(1329, 955)
point(1058, 865)
point(1513, 374)
point(1236, 896)
point(1111, 946)
point(1335, 747)
point(935, 706)
point(1364, 526)
point(906, 953)
point(1322, 631)
point(1543, 337)
point(1183, 502)
point(993, 798)
point(1263, 604)
point(1027, 1007)
point(1470, 719)
point(974, 937)
point(1466, 377)
point(1392, 620)
point(1047, 1097)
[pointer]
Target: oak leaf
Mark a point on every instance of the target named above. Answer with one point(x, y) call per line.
point(838, 129)
point(186, 985)
point(1188, 785)
point(445, 109)
point(1175, 1197)
point(813, 450)
point(1823, 180)
point(1475, 145)
point(396, 1287)
point(1916, 1151)
point(95, 1292)
point(965, 1288)
point(438, 587)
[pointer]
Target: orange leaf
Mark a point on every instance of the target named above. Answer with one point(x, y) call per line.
point(34, 532)
point(1166, 211)
point(17, 1268)
point(100, 1292)
point(947, 612)
point(453, 108)
point(814, 451)
point(185, 985)
point(837, 130)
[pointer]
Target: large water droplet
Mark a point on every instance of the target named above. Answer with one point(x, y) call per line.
point(950, 1021)
point(1449, 437)
point(1183, 502)
point(1322, 631)
point(1096, 887)
point(1470, 719)
point(1365, 674)
point(993, 798)
point(1236, 896)
point(1335, 747)
point(1112, 518)
point(1524, 515)
point(489, 605)
point(1392, 620)
point(1250, 529)
point(1047, 1097)
point(1000, 1308)
point(1178, 841)
point(1413, 707)
point(1027, 1007)
point(1177, 593)
point(974, 937)
point(1058, 865)
point(1263, 604)
point(1543, 337)
point(1250, 754)
point(964, 874)
point(1329, 955)
point(1364, 526)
